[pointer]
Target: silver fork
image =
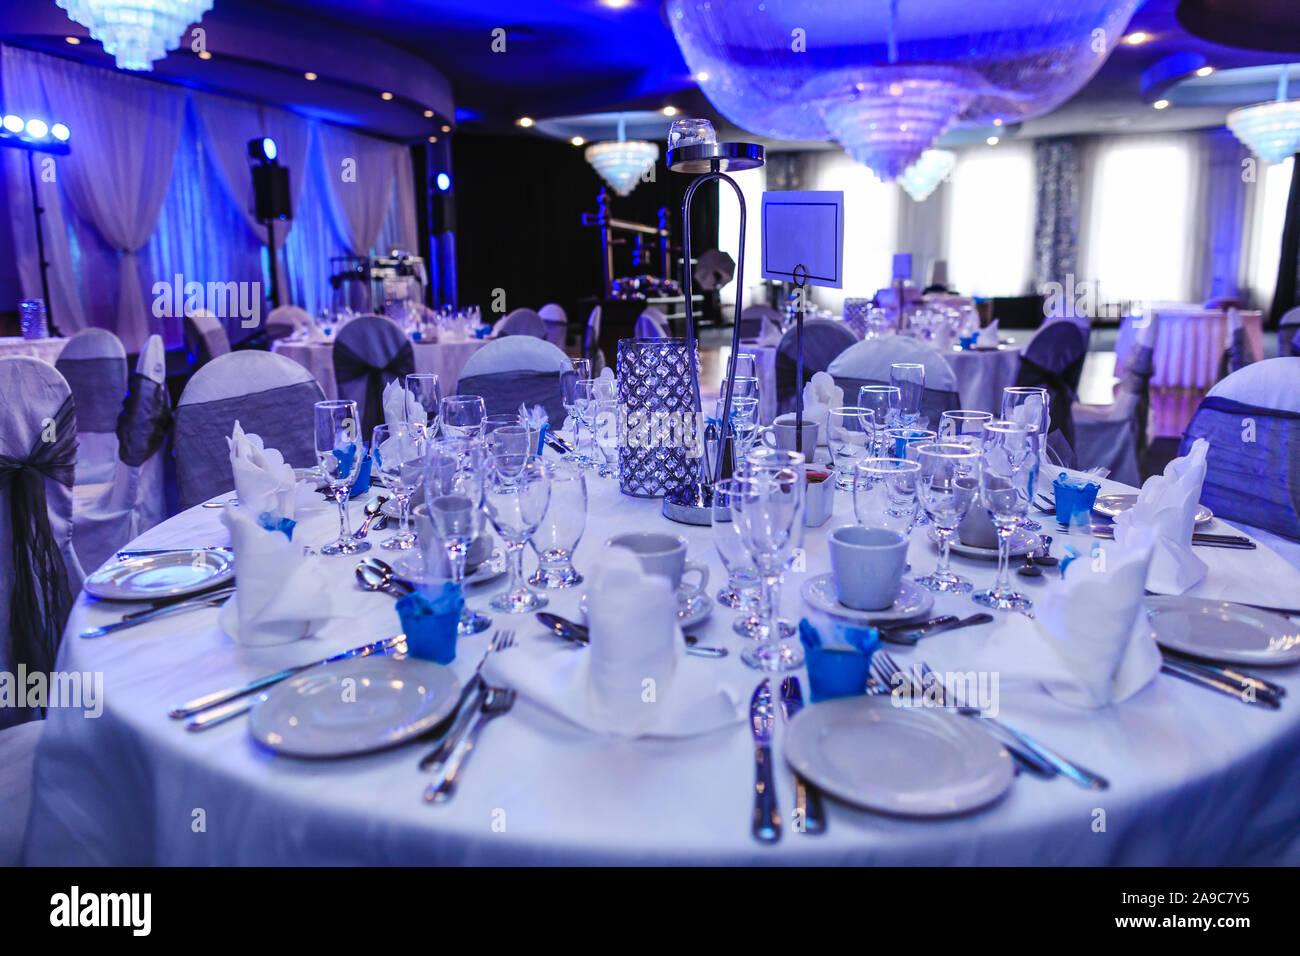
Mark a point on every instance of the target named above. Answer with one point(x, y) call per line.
point(497, 702)
point(463, 711)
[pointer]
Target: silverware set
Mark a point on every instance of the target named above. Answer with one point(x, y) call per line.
point(189, 602)
point(1202, 538)
point(581, 634)
point(808, 803)
point(1224, 680)
point(908, 634)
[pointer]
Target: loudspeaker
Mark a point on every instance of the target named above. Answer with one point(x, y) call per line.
point(271, 192)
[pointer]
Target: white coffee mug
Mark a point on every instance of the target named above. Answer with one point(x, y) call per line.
point(781, 434)
point(663, 554)
point(867, 566)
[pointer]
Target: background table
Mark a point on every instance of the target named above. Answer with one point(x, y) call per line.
point(1196, 778)
point(1190, 341)
point(444, 359)
point(982, 375)
point(47, 350)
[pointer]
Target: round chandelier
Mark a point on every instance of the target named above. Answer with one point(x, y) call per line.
point(623, 161)
point(886, 78)
point(1269, 130)
point(136, 32)
point(923, 176)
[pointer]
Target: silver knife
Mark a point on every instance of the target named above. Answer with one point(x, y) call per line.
point(231, 693)
point(762, 719)
point(807, 797)
point(139, 617)
point(1230, 688)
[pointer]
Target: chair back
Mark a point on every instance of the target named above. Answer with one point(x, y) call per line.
point(94, 365)
point(1053, 359)
point(369, 352)
point(38, 450)
point(557, 323)
point(205, 338)
point(142, 430)
point(591, 343)
point(1288, 329)
point(1256, 482)
point(651, 324)
point(823, 340)
point(519, 370)
point(522, 322)
point(284, 320)
point(268, 394)
point(760, 323)
point(868, 363)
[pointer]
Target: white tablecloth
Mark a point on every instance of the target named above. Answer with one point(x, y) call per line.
point(47, 350)
point(444, 359)
point(1196, 778)
point(1190, 341)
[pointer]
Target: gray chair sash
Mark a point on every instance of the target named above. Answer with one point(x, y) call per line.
point(349, 366)
point(504, 392)
point(98, 386)
point(823, 340)
point(281, 416)
point(41, 595)
point(145, 420)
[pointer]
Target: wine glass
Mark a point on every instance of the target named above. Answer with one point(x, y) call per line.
point(909, 379)
point(561, 529)
point(884, 493)
point(1006, 483)
point(462, 415)
point(1031, 406)
point(516, 493)
point(767, 508)
point(340, 454)
point(397, 453)
point(746, 365)
point(423, 400)
point(902, 442)
point(453, 475)
point(741, 592)
point(946, 486)
point(608, 431)
point(743, 425)
point(883, 401)
point(964, 426)
point(578, 370)
point(507, 435)
point(850, 436)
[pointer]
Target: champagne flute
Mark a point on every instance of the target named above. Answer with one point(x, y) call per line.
point(586, 397)
point(340, 454)
point(516, 494)
point(741, 592)
point(462, 415)
point(947, 486)
point(397, 453)
point(608, 432)
point(909, 379)
point(578, 370)
point(423, 400)
point(1006, 483)
point(767, 508)
point(1031, 406)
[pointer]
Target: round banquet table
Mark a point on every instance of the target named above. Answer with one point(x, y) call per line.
point(1190, 341)
point(982, 374)
point(1196, 778)
point(47, 350)
point(445, 359)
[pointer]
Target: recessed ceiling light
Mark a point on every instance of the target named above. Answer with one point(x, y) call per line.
point(428, 114)
point(309, 75)
point(446, 129)
point(204, 55)
point(670, 111)
point(1138, 38)
point(615, 4)
point(385, 95)
point(577, 141)
point(997, 122)
point(992, 141)
point(702, 76)
point(1205, 71)
point(1160, 104)
point(73, 40)
point(525, 121)
point(433, 139)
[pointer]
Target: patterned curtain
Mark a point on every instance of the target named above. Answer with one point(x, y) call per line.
point(1056, 216)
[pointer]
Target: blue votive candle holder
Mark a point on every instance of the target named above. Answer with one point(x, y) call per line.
point(430, 620)
point(1074, 499)
point(839, 671)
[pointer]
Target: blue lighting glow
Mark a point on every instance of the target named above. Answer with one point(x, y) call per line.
point(37, 129)
point(269, 148)
point(61, 132)
point(443, 182)
point(13, 124)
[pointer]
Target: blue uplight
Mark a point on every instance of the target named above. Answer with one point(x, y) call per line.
point(443, 182)
point(269, 148)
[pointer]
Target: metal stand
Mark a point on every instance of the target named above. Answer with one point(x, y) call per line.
point(693, 503)
point(37, 211)
point(608, 225)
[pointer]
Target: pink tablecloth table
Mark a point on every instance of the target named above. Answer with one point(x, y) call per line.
point(445, 359)
point(1190, 341)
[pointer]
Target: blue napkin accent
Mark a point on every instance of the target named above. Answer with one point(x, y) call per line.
point(483, 332)
point(541, 437)
point(838, 671)
point(430, 620)
point(416, 336)
point(270, 524)
point(967, 342)
point(362, 483)
point(1070, 555)
point(1074, 500)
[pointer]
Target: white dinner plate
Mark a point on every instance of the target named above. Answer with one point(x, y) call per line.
point(1111, 505)
point(153, 576)
point(913, 601)
point(910, 761)
point(353, 706)
point(1220, 631)
point(1023, 541)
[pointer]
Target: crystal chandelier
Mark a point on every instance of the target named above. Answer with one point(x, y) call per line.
point(622, 162)
point(923, 176)
point(136, 32)
point(886, 78)
point(1270, 130)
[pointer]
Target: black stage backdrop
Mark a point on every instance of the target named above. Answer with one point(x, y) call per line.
point(519, 203)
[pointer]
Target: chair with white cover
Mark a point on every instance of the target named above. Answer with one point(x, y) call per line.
point(268, 394)
point(369, 352)
point(868, 363)
point(1238, 350)
point(651, 324)
point(823, 341)
point(1114, 436)
point(285, 320)
point(591, 343)
point(94, 365)
point(41, 573)
point(1288, 328)
point(1053, 359)
point(106, 518)
point(760, 323)
point(557, 324)
point(1252, 421)
point(521, 322)
point(205, 338)
point(514, 371)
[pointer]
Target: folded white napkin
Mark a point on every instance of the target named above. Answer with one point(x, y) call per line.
point(281, 594)
point(264, 483)
point(1165, 514)
point(395, 405)
point(820, 395)
point(1090, 644)
point(635, 679)
point(988, 336)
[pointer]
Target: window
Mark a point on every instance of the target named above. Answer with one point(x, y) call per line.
point(870, 226)
point(991, 220)
point(1274, 185)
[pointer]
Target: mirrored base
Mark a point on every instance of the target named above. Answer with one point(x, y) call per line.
point(399, 542)
point(1002, 600)
point(519, 602)
point(565, 576)
point(773, 656)
point(755, 628)
point(471, 622)
point(346, 546)
point(949, 583)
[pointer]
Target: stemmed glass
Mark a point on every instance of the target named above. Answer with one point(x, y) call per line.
point(744, 426)
point(397, 453)
point(850, 437)
point(516, 493)
point(741, 592)
point(579, 370)
point(423, 400)
point(947, 485)
point(561, 529)
point(453, 492)
point(506, 435)
point(963, 426)
point(1006, 483)
point(586, 397)
point(883, 401)
point(607, 430)
point(909, 379)
point(884, 493)
point(767, 507)
point(340, 454)
point(1031, 406)
point(462, 415)
point(902, 442)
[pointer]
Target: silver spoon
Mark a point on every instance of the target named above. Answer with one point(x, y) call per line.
point(373, 580)
point(372, 512)
point(386, 569)
point(581, 634)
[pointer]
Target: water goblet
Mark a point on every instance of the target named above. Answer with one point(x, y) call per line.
point(909, 379)
point(884, 493)
point(850, 437)
point(423, 400)
point(946, 486)
point(964, 426)
point(340, 454)
point(462, 416)
point(557, 537)
point(883, 401)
